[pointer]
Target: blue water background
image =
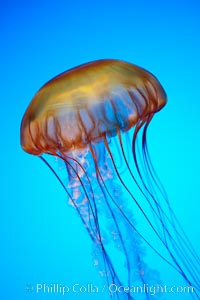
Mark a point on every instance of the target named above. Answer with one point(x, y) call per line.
point(42, 239)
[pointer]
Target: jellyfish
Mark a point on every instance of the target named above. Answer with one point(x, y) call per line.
point(94, 119)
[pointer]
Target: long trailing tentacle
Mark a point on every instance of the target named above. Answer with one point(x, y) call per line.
point(156, 180)
point(182, 243)
point(102, 183)
point(106, 258)
point(160, 214)
point(139, 208)
point(107, 261)
point(183, 257)
point(179, 269)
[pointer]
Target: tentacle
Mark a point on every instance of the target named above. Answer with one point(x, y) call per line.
point(102, 183)
point(106, 258)
point(162, 215)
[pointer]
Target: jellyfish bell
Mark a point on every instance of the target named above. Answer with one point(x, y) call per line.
point(90, 117)
point(88, 102)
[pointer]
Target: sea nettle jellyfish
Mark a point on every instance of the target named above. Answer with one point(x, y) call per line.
point(94, 118)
